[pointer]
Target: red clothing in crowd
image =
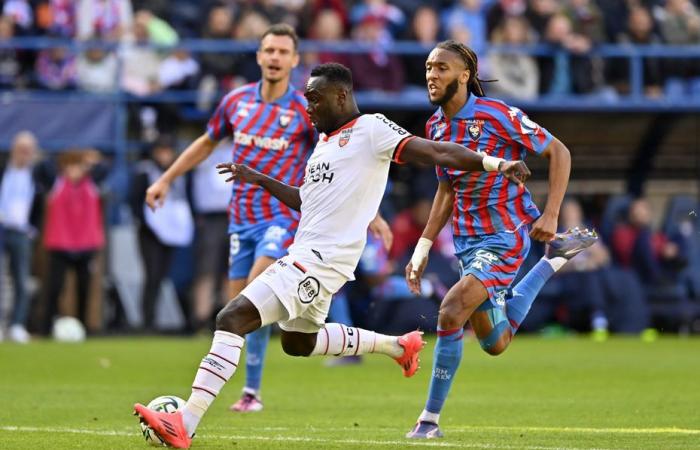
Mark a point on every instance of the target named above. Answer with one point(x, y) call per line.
point(74, 217)
point(624, 239)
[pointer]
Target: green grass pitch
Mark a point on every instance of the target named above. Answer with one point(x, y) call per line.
point(569, 393)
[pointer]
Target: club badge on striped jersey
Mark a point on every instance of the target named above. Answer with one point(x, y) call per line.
point(344, 137)
point(440, 130)
point(284, 120)
point(474, 128)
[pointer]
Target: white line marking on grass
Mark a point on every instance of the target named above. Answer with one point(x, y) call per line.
point(363, 442)
point(66, 430)
point(514, 428)
point(667, 430)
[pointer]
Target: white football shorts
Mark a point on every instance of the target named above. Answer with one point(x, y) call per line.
point(295, 291)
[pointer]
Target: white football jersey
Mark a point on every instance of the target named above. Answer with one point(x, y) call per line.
point(343, 186)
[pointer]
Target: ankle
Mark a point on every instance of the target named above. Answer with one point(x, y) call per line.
point(427, 416)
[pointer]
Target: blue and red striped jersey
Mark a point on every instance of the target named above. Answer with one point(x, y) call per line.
point(273, 138)
point(486, 202)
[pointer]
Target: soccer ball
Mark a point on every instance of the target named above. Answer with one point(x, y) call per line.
point(164, 403)
point(68, 329)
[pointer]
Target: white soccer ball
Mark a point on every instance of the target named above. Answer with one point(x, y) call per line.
point(164, 403)
point(68, 329)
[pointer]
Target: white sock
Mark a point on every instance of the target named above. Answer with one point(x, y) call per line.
point(557, 262)
point(338, 340)
point(427, 416)
point(214, 371)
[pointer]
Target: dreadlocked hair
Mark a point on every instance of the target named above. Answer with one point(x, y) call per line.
point(470, 60)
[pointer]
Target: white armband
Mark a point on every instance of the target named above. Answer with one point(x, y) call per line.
point(491, 163)
point(420, 253)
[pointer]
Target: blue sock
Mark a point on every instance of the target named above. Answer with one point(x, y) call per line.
point(339, 312)
point(447, 356)
point(525, 292)
point(256, 345)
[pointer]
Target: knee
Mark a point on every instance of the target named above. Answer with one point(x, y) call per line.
point(449, 317)
point(297, 347)
point(498, 347)
point(232, 318)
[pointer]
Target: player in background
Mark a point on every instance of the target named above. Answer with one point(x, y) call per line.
point(345, 180)
point(491, 218)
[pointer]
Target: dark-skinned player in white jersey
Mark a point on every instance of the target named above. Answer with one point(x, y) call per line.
point(344, 182)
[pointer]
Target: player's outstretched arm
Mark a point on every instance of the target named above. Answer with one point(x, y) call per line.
point(194, 154)
point(455, 156)
point(289, 195)
point(544, 228)
point(440, 213)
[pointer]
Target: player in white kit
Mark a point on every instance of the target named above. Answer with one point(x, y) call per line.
point(344, 182)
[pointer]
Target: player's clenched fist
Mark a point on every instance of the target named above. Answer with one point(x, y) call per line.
point(239, 172)
point(515, 171)
point(156, 193)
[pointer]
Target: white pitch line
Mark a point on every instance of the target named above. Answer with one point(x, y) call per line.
point(666, 430)
point(363, 442)
point(514, 428)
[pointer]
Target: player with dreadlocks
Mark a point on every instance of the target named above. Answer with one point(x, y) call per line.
point(493, 220)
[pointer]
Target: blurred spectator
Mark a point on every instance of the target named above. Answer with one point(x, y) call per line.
point(539, 14)
point(652, 255)
point(516, 73)
point(679, 22)
point(56, 69)
point(210, 201)
point(500, 10)
point(139, 74)
point(178, 71)
point(217, 68)
point(614, 14)
point(587, 19)
point(19, 209)
point(250, 27)
point(10, 64)
point(21, 13)
point(315, 7)
point(408, 226)
point(468, 15)
point(96, 70)
point(581, 282)
point(160, 231)
point(640, 30)
point(379, 70)
point(73, 227)
point(57, 17)
point(425, 29)
point(281, 11)
point(159, 31)
point(328, 27)
point(184, 16)
point(569, 70)
point(391, 16)
point(103, 19)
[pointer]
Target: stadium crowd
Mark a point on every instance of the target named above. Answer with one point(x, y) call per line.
point(643, 273)
point(567, 29)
